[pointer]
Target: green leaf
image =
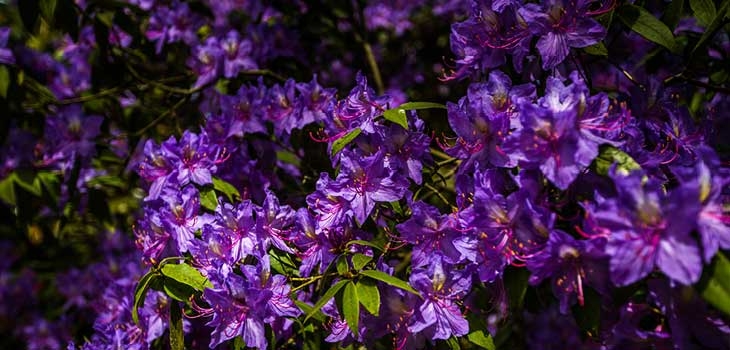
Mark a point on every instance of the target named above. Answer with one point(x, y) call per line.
point(186, 275)
point(239, 343)
point(673, 13)
point(340, 143)
point(307, 309)
point(369, 295)
point(479, 338)
point(608, 155)
point(365, 243)
point(140, 292)
point(176, 290)
point(390, 280)
point(714, 26)
point(397, 116)
point(360, 260)
point(717, 290)
point(29, 181)
point(648, 26)
point(4, 81)
point(421, 105)
point(7, 190)
point(351, 307)
point(208, 198)
point(704, 11)
point(397, 208)
point(47, 7)
point(288, 157)
point(226, 188)
point(453, 343)
point(596, 50)
point(329, 294)
point(341, 265)
point(177, 336)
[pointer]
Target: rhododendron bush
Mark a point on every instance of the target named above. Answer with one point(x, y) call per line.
point(487, 174)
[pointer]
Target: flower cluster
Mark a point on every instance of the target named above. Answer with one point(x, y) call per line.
point(253, 175)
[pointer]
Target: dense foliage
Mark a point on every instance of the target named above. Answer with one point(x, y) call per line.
point(364, 174)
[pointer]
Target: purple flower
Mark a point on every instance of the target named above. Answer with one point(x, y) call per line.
point(485, 117)
point(561, 25)
point(560, 135)
point(71, 134)
point(180, 216)
point(358, 110)
point(438, 315)
point(508, 230)
point(705, 182)
point(570, 264)
point(6, 55)
point(236, 54)
point(206, 61)
point(365, 180)
point(194, 158)
point(274, 223)
point(243, 305)
point(330, 211)
point(315, 102)
point(646, 229)
point(176, 23)
point(432, 235)
point(486, 37)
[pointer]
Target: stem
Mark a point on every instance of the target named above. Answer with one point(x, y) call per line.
point(440, 154)
point(437, 193)
point(374, 67)
point(177, 336)
point(140, 132)
point(696, 82)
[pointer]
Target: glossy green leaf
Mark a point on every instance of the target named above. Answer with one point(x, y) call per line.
point(645, 24)
point(369, 295)
point(704, 11)
point(421, 105)
point(226, 188)
point(390, 280)
point(360, 260)
point(187, 275)
point(329, 294)
point(453, 343)
point(239, 343)
point(397, 116)
point(717, 290)
point(351, 307)
point(47, 9)
point(343, 141)
point(596, 50)
point(176, 290)
point(673, 13)
point(7, 190)
point(608, 155)
point(365, 243)
point(341, 265)
point(208, 198)
point(140, 292)
point(307, 309)
point(714, 26)
point(481, 339)
point(4, 81)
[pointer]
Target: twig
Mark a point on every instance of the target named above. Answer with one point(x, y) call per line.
point(140, 132)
